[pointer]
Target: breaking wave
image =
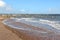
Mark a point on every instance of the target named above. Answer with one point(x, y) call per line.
point(55, 24)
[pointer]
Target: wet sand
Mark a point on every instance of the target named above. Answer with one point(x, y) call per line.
point(33, 37)
point(6, 34)
point(29, 36)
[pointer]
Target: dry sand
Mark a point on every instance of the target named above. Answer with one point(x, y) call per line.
point(6, 34)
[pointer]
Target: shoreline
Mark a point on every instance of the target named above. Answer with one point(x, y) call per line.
point(26, 34)
point(6, 34)
point(27, 37)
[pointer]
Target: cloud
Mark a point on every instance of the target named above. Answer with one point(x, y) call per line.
point(53, 10)
point(22, 10)
point(4, 7)
point(8, 8)
point(2, 3)
point(0, 0)
point(49, 9)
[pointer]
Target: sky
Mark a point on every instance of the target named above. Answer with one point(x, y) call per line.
point(30, 6)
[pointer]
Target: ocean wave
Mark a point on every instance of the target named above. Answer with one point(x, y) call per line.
point(54, 24)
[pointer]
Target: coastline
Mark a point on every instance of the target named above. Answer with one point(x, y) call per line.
point(25, 34)
point(6, 34)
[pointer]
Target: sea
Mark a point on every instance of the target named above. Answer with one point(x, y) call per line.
point(48, 22)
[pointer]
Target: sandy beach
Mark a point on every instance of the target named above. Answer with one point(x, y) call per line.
point(13, 34)
point(6, 34)
point(29, 35)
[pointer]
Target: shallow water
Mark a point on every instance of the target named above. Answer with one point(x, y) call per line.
point(49, 24)
point(38, 22)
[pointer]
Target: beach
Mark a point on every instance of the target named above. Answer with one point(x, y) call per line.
point(24, 31)
point(6, 34)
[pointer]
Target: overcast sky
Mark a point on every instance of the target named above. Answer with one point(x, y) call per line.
point(30, 6)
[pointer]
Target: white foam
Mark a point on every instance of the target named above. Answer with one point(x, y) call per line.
point(54, 24)
point(51, 23)
point(31, 20)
